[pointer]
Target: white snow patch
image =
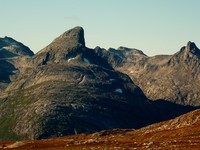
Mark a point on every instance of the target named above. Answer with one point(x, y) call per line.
point(86, 60)
point(75, 131)
point(112, 79)
point(74, 106)
point(14, 71)
point(118, 91)
point(70, 59)
point(5, 47)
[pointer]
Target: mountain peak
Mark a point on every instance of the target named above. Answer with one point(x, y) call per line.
point(189, 53)
point(70, 43)
point(76, 35)
point(191, 47)
point(10, 48)
point(72, 37)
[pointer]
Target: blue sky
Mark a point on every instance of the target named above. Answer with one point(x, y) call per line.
point(153, 26)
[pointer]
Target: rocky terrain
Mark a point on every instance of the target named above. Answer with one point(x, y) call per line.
point(171, 77)
point(13, 55)
point(67, 88)
point(180, 133)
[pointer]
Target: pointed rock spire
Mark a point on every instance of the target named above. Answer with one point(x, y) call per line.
point(191, 47)
point(72, 37)
point(69, 39)
point(69, 43)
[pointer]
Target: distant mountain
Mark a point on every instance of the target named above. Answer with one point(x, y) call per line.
point(67, 88)
point(11, 48)
point(171, 77)
point(13, 57)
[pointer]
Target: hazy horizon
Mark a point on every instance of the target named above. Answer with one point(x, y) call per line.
point(155, 27)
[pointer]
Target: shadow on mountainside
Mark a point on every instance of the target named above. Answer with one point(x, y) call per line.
point(6, 69)
point(167, 110)
point(115, 116)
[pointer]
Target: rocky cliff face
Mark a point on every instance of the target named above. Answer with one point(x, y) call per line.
point(67, 88)
point(171, 77)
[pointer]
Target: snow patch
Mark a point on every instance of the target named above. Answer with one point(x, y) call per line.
point(118, 91)
point(75, 131)
point(5, 47)
point(86, 60)
point(70, 59)
point(74, 106)
point(112, 79)
point(14, 71)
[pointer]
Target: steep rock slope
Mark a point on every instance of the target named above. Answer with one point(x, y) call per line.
point(171, 77)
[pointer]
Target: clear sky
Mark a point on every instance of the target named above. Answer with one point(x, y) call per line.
point(153, 26)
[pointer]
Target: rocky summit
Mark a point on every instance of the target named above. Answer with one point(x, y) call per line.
point(63, 48)
point(67, 88)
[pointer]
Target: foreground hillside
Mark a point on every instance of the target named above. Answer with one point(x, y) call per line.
point(180, 133)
